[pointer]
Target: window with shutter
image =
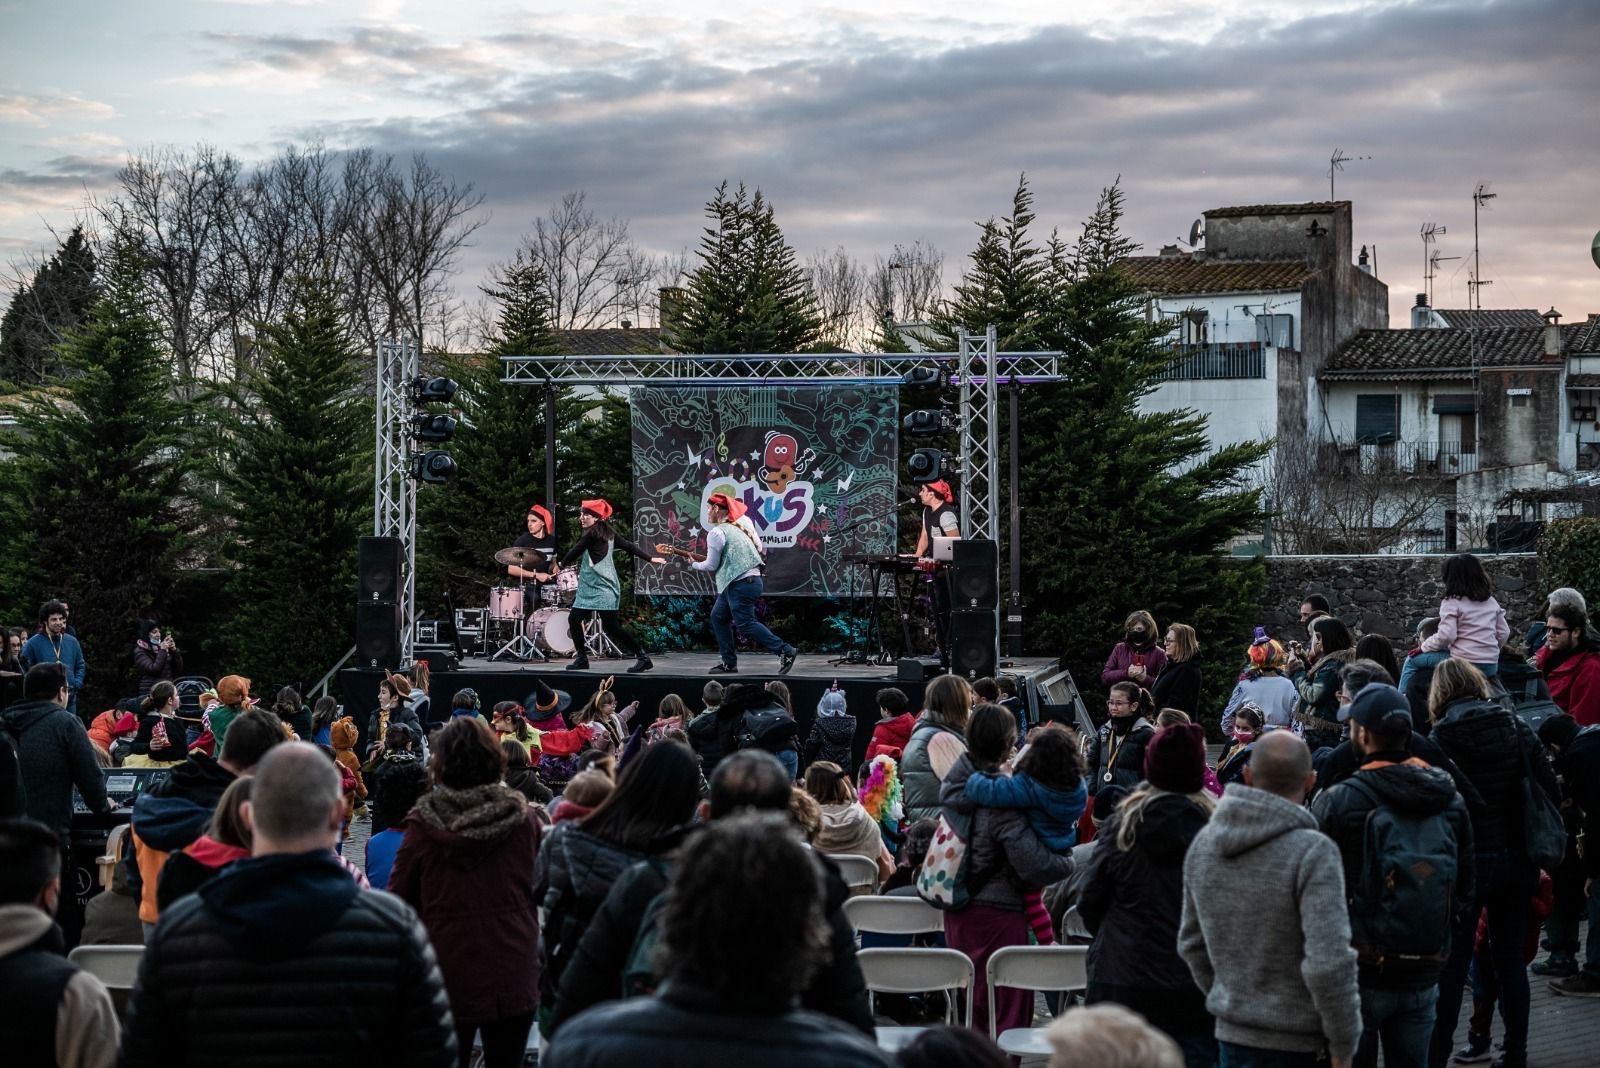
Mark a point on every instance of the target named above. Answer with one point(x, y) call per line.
point(1377, 418)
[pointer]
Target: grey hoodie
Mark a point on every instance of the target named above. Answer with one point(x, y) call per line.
point(1265, 930)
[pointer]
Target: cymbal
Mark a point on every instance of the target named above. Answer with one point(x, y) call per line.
point(519, 557)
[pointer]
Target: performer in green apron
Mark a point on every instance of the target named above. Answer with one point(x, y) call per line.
point(599, 588)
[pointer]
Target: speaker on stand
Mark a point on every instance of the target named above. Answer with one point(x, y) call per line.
point(974, 608)
point(378, 603)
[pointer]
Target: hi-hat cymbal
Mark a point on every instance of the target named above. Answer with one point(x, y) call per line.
point(519, 557)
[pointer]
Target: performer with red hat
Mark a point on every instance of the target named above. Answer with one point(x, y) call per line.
point(540, 536)
point(599, 588)
point(735, 556)
point(939, 520)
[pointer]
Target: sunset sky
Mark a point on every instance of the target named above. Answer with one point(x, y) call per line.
point(866, 124)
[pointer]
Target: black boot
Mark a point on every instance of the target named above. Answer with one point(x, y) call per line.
point(644, 663)
point(579, 663)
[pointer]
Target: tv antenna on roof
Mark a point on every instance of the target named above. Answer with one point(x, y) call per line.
point(1336, 163)
point(1430, 256)
point(1480, 199)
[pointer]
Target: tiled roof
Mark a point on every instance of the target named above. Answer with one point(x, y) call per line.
point(1584, 336)
point(1479, 318)
point(1375, 351)
point(1181, 275)
point(635, 341)
point(1583, 381)
point(1315, 207)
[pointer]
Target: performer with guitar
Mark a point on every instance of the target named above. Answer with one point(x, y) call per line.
point(599, 588)
point(734, 555)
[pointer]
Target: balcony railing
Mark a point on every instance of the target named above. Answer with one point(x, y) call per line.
point(1231, 359)
point(1437, 458)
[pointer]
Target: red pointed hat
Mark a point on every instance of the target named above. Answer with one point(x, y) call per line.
point(544, 514)
point(598, 506)
point(942, 488)
point(734, 505)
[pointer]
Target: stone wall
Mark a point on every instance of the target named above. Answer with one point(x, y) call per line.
point(1388, 594)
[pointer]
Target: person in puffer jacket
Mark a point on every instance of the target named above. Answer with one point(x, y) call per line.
point(832, 733)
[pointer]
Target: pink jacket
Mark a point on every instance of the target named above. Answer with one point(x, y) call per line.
point(1470, 630)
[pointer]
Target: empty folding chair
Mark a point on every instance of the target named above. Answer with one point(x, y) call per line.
point(860, 873)
point(893, 915)
point(1055, 968)
point(915, 971)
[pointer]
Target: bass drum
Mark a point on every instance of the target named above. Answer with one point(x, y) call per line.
point(547, 628)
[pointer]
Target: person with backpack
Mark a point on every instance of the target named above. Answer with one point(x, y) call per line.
point(1513, 785)
point(753, 717)
point(1405, 841)
point(614, 957)
point(645, 817)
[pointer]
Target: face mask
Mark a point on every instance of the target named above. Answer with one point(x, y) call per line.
point(1244, 737)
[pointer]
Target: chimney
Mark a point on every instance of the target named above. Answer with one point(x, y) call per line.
point(627, 324)
point(1170, 252)
point(1362, 264)
point(1552, 335)
point(1421, 314)
point(669, 302)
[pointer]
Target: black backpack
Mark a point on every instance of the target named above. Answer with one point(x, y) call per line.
point(1402, 904)
point(766, 728)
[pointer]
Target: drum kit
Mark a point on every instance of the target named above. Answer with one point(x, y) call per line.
point(531, 618)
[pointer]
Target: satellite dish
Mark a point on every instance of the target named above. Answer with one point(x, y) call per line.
point(1594, 249)
point(1196, 232)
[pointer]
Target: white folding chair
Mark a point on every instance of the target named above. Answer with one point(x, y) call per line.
point(1052, 968)
point(893, 915)
point(115, 966)
point(107, 862)
point(859, 872)
point(915, 971)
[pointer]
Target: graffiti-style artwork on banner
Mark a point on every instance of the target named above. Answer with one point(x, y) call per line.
point(814, 465)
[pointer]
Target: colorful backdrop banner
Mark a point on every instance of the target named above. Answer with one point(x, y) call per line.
point(815, 465)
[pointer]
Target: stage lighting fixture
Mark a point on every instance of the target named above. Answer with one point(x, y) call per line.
point(927, 421)
point(435, 465)
point(426, 426)
point(928, 465)
point(433, 390)
point(925, 376)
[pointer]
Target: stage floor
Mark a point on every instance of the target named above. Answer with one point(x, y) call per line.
point(761, 666)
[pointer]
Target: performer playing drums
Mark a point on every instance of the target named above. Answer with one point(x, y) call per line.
point(599, 588)
point(734, 554)
point(540, 537)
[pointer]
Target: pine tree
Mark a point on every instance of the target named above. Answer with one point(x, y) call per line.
point(294, 449)
point(1005, 286)
point(44, 310)
point(1125, 509)
point(91, 490)
point(749, 293)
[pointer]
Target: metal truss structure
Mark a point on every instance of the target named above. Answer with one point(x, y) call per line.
point(977, 368)
point(394, 498)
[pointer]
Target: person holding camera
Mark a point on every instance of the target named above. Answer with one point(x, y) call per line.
point(155, 656)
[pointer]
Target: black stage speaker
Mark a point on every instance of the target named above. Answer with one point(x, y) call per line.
point(974, 574)
point(972, 642)
point(378, 635)
point(378, 571)
point(917, 669)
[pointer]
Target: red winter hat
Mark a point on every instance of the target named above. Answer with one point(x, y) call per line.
point(1175, 759)
point(598, 507)
point(734, 505)
point(544, 514)
point(126, 725)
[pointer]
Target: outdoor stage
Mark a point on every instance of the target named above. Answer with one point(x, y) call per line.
point(1048, 690)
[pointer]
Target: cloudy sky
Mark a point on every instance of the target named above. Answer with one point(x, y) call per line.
point(867, 122)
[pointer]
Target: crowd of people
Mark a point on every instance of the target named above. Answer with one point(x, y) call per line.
point(1378, 835)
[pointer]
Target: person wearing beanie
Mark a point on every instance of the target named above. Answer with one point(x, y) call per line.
point(1399, 981)
point(833, 732)
point(736, 559)
point(1575, 750)
point(1133, 893)
point(599, 588)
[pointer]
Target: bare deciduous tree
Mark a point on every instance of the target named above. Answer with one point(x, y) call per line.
point(908, 285)
point(594, 273)
point(839, 285)
point(1347, 499)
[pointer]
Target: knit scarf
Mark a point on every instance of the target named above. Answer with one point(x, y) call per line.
point(481, 813)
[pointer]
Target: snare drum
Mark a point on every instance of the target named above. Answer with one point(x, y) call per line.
point(566, 585)
point(505, 603)
point(547, 628)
